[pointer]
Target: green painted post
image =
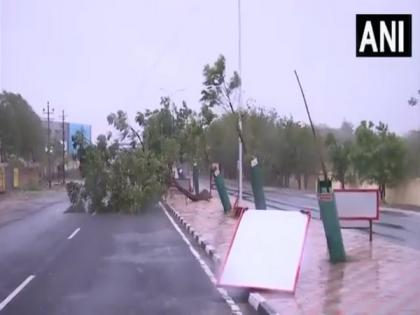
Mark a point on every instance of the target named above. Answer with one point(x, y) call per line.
point(329, 217)
point(221, 189)
point(195, 179)
point(257, 185)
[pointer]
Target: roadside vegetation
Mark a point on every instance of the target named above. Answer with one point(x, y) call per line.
point(129, 168)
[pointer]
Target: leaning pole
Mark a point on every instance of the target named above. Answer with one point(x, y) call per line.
point(326, 201)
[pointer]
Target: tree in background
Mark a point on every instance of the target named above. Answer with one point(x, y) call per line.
point(286, 147)
point(219, 91)
point(412, 141)
point(414, 100)
point(379, 156)
point(175, 132)
point(21, 132)
point(340, 158)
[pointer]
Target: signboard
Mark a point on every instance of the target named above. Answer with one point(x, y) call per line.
point(357, 204)
point(356, 208)
point(86, 130)
point(266, 251)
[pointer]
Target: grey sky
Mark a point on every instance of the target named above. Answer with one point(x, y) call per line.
point(94, 57)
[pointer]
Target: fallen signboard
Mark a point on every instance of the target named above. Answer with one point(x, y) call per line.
point(266, 250)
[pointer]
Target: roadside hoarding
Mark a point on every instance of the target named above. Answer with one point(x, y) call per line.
point(86, 130)
point(357, 208)
point(266, 250)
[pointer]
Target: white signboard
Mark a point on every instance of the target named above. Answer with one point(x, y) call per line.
point(266, 250)
point(357, 204)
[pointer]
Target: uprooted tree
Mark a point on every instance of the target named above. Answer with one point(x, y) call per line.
point(131, 169)
point(117, 177)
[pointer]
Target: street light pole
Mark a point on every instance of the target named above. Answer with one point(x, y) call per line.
point(64, 148)
point(48, 112)
point(240, 105)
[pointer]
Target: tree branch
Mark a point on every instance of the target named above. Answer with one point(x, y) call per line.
point(140, 139)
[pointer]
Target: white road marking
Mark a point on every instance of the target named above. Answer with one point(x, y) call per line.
point(234, 308)
point(15, 292)
point(73, 234)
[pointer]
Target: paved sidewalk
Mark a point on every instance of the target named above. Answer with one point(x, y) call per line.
point(379, 278)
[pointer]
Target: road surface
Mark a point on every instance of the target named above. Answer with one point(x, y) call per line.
point(400, 226)
point(55, 263)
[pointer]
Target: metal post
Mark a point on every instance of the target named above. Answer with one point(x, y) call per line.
point(257, 185)
point(221, 189)
point(64, 149)
point(240, 166)
point(48, 112)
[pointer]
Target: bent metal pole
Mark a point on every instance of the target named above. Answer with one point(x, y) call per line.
point(326, 201)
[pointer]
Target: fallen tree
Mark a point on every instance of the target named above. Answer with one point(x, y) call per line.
point(203, 195)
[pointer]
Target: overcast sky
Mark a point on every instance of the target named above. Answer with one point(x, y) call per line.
point(94, 57)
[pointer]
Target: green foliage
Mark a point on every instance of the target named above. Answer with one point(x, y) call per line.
point(75, 194)
point(127, 176)
point(340, 158)
point(414, 100)
point(379, 156)
point(413, 153)
point(285, 148)
point(120, 179)
point(137, 179)
point(176, 133)
point(21, 132)
point(218, 91)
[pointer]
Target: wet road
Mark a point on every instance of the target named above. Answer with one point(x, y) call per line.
point(55, 263)
point(400, 226)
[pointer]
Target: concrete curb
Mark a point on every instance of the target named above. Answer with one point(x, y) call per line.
point(258, 302)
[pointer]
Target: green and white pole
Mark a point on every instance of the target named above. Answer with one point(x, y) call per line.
point(329, 217)
point(257, 185)
point(221, 189)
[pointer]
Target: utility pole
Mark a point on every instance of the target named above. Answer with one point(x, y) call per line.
point(63, 116)
point(48, 112)
point(239, 106)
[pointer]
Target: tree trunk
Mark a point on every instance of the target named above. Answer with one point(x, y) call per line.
point(299, 180)
point(305, 181)
point(382, 191)
point(342, 182)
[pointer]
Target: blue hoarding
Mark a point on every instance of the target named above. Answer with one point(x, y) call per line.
point(86, 130)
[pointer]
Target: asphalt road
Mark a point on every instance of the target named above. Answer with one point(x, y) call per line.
point(400, 226)
point(104, 264)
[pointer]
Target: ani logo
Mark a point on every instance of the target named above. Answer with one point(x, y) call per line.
point(383, 35)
